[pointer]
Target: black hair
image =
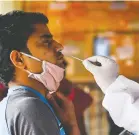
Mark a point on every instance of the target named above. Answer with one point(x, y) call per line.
point(15, 28)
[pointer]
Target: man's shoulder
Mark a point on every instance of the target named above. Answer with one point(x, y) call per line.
point(23, 100)
point(26, 104)
point(25, 109)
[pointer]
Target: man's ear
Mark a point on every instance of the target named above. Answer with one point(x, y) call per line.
point(17, 59)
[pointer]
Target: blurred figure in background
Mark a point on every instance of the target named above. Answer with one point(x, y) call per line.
point(3, 91)
point(80, 99)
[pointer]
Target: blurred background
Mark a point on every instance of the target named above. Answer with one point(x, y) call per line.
point(86, 29)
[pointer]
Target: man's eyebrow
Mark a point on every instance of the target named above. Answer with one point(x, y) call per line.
point(46, 36)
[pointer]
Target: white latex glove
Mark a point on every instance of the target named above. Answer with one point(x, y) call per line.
point(105, 74)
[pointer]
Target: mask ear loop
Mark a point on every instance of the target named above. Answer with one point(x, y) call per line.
point(32, 58)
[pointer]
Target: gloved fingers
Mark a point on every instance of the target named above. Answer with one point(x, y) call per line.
point(89, 66)
point(103, 60)
point(100, 59)
point(88, 63)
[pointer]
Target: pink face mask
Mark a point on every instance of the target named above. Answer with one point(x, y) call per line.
point(50, 77)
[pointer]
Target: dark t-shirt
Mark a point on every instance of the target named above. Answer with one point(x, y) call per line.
point(28, 115)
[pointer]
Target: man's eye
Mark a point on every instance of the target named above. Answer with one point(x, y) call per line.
point(48, 43)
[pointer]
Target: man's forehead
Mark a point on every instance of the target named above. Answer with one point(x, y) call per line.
point(43, 31)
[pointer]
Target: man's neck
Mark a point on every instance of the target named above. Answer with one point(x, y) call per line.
point(24, 80)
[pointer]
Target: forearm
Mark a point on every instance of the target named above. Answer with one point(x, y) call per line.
point(122, 101)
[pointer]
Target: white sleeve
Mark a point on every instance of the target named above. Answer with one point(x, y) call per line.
point(122, 102)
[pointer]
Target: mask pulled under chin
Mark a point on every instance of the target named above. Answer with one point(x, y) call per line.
point(50, 77)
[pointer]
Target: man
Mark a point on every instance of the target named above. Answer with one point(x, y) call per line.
point(121, 94)
point(31, 64)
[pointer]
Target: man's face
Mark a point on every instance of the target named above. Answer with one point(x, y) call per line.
point(42, 46)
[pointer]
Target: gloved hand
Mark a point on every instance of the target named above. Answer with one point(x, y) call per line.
point(105, 74)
